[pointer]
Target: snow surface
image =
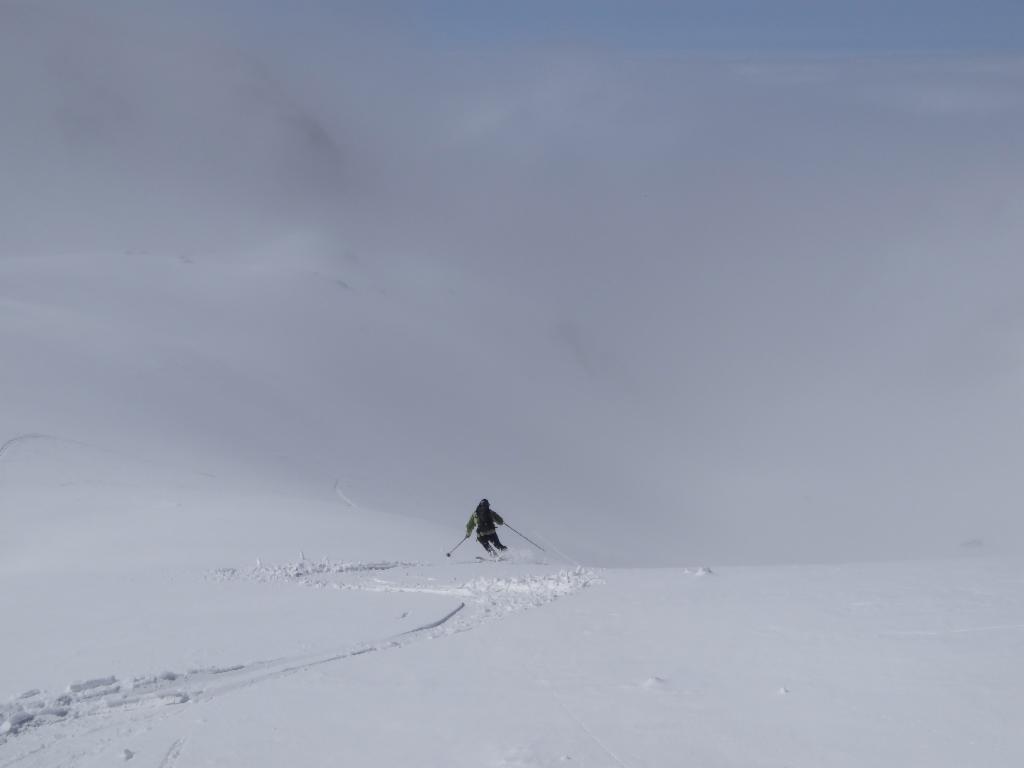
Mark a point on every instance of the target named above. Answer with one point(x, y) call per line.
point(267, 334)
point(179, 624)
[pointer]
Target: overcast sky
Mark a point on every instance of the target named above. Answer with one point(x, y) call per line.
point(780, 242)
point(734, 26)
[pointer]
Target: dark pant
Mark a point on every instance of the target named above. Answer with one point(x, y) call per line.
point(489, 541)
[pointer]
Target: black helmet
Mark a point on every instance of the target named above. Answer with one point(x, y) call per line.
point(484, 503)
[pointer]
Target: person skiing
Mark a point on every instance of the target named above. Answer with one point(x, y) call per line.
point(484, 520)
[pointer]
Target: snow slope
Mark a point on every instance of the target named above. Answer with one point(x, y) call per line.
point(167, 620)
point(270, 325)
point(169, 602)
point(224, 510)
point(527, 665)
point(295, 368)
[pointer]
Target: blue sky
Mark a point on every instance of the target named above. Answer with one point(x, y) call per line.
point(720, 26)
point(743, 25)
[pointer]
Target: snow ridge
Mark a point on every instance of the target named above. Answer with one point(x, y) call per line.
point(105, 696)
point(303, 571)
point(100, 696)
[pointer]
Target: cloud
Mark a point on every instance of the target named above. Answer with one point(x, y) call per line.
point(766, 304)
point(129, 127)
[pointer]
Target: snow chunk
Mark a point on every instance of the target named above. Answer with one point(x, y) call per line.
point(701, 571)
point(531, 589)
point(151, 681)
point(303, 570)
point(655, 683)
point(174, 697)
point(215, 670)
point(85, 685)
point(15, 721)
point(98, 693)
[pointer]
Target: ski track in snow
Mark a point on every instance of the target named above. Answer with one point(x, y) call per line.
point(173, 753)
point(7, 446)
point(304, 572)
point(494, 594)
point(589, 733)
point(93, 706)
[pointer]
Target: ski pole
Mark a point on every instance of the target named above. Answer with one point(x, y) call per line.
point(538, 546)
point(449, 554)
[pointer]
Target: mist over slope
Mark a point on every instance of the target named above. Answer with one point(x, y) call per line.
point(661, 310)
point(283, 377)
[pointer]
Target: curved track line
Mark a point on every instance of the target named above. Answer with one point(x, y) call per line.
point(199, 687)
point(173, 753)
point(82, 732)
point(22, 439)
point(593, 736)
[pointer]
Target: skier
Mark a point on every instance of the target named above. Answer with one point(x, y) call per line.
point(483, 519)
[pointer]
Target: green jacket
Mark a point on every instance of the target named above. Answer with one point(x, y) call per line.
point(483, 530)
